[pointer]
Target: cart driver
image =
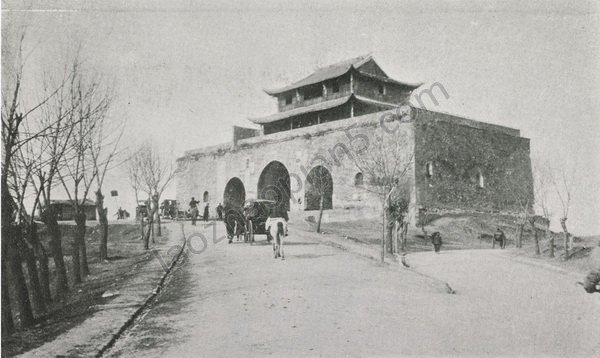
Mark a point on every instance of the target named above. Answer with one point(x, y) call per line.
point(278, 214)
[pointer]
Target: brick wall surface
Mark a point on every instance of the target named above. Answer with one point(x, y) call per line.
point(459, 153)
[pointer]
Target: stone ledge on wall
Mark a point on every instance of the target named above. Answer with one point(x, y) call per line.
point(367, 120)
point(447, 117)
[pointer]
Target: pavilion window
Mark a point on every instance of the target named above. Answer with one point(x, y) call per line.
point(314, 91)
point(335, 87)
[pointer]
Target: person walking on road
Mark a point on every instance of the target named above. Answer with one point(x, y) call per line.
point(234, 223)
point(206, 212)
point(194, 210)
point(220, 211)
point(436, 240)
point(500, 238)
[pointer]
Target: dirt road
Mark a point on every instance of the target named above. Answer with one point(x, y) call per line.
point(236, 300)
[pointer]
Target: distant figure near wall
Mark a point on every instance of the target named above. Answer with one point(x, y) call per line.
point(206, 213)
point(436, 240)
point(194, 210)
point(220, 211)
point(499, 238)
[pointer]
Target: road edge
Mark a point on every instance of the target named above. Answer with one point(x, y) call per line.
point(147, 302)
point(366, 251)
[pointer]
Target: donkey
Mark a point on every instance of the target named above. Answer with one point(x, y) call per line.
point(277, 233)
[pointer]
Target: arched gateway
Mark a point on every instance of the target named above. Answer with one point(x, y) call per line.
point(234, 194)
point(274, 184)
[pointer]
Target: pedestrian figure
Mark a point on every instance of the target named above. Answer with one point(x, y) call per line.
point(220, 211)
point(206, 213)
point(499, 238)
point(194, 210)
point(436, 240)
point(234, 223)
point(229, 223)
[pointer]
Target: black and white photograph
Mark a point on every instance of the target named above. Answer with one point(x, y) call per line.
point(278, 178)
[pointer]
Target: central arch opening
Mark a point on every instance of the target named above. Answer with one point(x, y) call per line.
point(234, 194)
point(274, 184)
point(318, 184)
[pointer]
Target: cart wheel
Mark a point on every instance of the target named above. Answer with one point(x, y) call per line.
point(250, 232)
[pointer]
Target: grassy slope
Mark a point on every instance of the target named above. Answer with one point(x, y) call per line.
point(474, 232)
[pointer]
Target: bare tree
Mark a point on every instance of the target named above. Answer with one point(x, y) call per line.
point(542, 180)
point(385, 162)
point(104, 149)
point(20, 126)
point(562, 181)
point(134, 168)
point(54, 151)
point(319, 183)
point(153, 174)
point(519, 194)
point(90, 102)
point(25, 163)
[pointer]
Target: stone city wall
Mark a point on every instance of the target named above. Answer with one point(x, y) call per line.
point(329, 144)
point(474, 166)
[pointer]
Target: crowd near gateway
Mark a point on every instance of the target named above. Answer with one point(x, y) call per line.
point(458, 164)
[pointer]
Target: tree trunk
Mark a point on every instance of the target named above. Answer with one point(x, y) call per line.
point(147, 235)
point(152, 231)
point(383, 235)
point(18, 278)
point(7, 213)
point(537, 241)
point(103, 220)
point(563, 224)
point(37, 295)
point(8, 325)
point(35, 289)
point(155, 217)
point(158, 227)
point(49, 218)
point(547, 234)
point(141, 226)
point(157, 211)
point(44, 273)
point(320, 213)
point(75, 260)
point(396, 237)
point(389, 226)
point(80, 242)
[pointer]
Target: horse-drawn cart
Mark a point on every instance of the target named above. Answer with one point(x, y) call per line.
point(256, 212)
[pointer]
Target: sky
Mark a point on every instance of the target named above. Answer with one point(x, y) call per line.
point(184, 72)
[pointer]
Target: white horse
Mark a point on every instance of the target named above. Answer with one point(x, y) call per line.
point(276, 229)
